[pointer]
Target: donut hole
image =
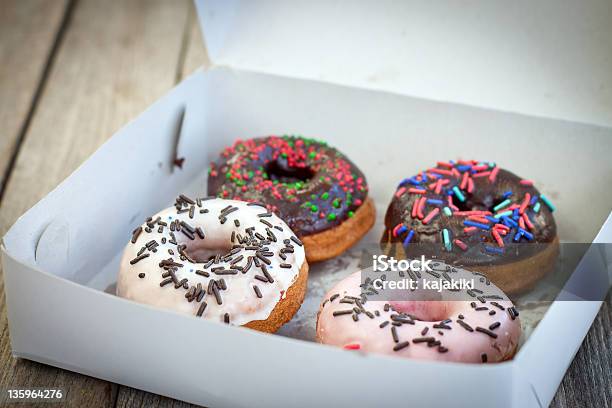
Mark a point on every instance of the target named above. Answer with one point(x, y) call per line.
point(280, 171)
point(466, 205)
point(201, 252)
point(424, 310)
point(472, 204)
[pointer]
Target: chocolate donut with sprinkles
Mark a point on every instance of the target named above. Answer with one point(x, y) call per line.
point(476, 325)
point(476, 215)
point(221, 260)
point(314, 188)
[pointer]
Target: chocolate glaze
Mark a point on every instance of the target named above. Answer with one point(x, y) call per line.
point(427, 239)
point(310, 185)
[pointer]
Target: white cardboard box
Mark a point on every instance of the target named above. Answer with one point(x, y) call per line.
point(60, 256)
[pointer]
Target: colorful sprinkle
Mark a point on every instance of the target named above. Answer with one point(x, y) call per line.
point(458, 194)
point(501, 205)
point(493, 174)
point(550, 205)
point(461, 244)
point(446, 237)
point(503, 214)
point(497, 237)
point(408, 238)
point(476, 224)
point(525, 203)
point(431, 215)
point(493, 250)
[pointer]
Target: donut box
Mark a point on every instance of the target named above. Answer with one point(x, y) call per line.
point(60, 262)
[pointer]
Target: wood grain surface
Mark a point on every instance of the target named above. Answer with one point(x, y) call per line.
point(28, 32)
point(71, 74)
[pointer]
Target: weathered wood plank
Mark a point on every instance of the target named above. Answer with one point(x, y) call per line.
point(116, 58)
point(588, 381)
point(27, 31)
point(196, 55)
point(133, 398)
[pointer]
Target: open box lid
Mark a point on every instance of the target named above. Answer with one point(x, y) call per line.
point(542, 58)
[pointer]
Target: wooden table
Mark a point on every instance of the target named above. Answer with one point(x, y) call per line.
point(71, 74)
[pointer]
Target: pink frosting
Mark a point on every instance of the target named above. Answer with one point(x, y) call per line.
point(459, 343)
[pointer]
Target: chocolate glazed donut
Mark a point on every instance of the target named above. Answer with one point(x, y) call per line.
point(314, 188)
point(478, 216)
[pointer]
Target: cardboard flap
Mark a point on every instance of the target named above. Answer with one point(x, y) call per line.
point(538, 58)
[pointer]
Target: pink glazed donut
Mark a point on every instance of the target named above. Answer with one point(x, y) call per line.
point(477, 325)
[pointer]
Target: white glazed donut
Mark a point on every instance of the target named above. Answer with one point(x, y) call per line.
point(450, 327)
point(222, 260)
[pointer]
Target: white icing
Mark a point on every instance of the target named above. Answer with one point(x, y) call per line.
point(240, 299)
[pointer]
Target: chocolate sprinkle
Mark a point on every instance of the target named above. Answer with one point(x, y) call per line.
point(182, 282)
point(465, 325)
point(136, 234)
point(394, 334)
point(486, 331)
point(200, 232)
point(342, 312)
point(139, 258)
point(215, 290)
point(201, 309)
point(266, 273)
point(401, 345)
point(423, 340)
